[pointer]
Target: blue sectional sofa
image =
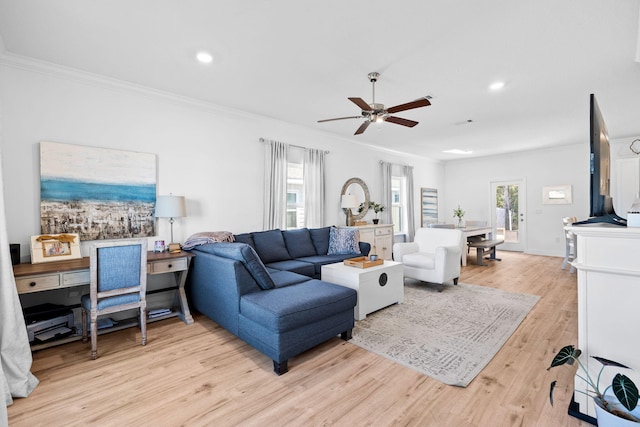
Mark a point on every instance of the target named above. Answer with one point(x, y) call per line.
point(304, 250)
point(276, 304)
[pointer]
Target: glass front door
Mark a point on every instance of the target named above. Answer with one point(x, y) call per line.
point(508, 214)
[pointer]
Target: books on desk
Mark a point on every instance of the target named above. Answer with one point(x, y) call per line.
point(158, 312)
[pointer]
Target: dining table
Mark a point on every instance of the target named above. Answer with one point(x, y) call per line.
point(472, 231)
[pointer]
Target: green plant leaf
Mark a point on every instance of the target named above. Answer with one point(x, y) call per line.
point(567, 354)
point(607, 362)
point(551, 387)
point(626, 391)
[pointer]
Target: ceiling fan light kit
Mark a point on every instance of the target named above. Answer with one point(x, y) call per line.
point(376, 112)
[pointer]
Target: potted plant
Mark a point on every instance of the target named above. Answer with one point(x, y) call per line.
point(609, 412)
point(377, 208)
point(459, 213)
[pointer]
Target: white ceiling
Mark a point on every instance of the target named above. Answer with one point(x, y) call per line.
point(298, 61)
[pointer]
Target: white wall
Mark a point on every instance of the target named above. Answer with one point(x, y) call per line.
point(209, 154)
point(625, 174)
point(213, 157)
point(468, 185)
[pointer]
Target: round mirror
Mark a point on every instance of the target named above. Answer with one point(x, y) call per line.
point(357, 187)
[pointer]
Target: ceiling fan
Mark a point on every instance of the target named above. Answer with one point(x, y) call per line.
point(377, 113)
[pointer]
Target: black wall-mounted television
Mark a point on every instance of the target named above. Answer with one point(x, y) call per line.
point(601, 209)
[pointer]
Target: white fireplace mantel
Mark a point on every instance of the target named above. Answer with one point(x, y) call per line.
point(608, 266)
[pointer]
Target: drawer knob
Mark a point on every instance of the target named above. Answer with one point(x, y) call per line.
point(32, 284)
point(170, 265)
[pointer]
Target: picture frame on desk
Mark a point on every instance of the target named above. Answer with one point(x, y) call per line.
point(55, 247)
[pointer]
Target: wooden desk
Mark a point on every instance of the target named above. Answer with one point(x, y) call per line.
point(65, 274)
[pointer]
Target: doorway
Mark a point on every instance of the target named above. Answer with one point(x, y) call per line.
point(507, 214)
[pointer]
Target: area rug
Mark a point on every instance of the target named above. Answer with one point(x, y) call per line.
point(450, 335)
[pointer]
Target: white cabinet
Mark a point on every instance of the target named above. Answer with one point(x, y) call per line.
point(380, 236)
point(608, 297)
point(377, 287)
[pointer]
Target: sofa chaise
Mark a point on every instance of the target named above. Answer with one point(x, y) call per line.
point(273, 305)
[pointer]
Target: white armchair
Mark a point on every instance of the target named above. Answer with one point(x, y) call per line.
point(433, 256)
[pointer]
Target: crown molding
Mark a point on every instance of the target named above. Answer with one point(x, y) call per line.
point(30, 64)
point(27, 63)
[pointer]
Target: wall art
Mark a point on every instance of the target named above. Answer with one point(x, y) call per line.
point(98, 193)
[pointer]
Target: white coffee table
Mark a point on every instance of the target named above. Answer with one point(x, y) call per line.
point(377, 287)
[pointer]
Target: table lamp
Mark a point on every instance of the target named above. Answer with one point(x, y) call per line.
point(349, 201)
point(171, 207)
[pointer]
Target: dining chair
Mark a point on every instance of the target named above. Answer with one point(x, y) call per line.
point(570, 250)
point(118, 282)
point(442, 225)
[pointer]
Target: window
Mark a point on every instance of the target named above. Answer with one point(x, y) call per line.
point(295, 192)
point(399, 204)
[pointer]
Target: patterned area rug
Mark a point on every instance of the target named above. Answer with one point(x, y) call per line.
point(450, 335)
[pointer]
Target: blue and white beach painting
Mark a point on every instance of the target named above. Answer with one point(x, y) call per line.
point(96, 192)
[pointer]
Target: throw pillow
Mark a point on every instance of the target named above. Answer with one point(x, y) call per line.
point(343, 241)
point(270, 246)
point(299, 243)
point(247, 256)
point(320, 237)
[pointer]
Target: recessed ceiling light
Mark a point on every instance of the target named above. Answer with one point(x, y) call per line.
point(496, 85)
point(458, 151)
point(204, 57)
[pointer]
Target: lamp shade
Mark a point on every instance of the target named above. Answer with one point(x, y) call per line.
point(170, 207)
point(349, 201)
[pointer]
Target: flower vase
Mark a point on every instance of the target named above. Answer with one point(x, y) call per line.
point(460, 223)
point(375, 220)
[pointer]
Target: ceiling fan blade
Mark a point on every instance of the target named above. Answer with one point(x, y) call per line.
point(339, 118)
point(361, 103)
point(409, 106)
point(400, 121)
point(363, 127)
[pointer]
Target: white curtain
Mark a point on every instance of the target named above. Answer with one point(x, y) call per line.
point(386, 172)
point(411, 224)
point(314, 188)
point(15, 353)
point(275, 186)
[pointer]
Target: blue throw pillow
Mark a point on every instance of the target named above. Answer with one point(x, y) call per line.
point(320, 237)
point(245, 238)
point(270, 246)
point(247, 256)
point(343, 241)
point(299, 243)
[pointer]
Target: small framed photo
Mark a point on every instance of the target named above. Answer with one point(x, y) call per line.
point(55, 247)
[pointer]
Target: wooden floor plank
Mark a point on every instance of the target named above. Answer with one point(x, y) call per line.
point(201, 375)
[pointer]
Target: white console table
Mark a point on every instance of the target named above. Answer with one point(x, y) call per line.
point(380, 237)
point(608, 301)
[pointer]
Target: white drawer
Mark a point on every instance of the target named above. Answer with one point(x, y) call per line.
point(383, 231)
point(76, 278)
point(178, 264)
point(366, 235)
point(37, 283)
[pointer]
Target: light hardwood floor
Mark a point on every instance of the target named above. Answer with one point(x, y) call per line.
point(200, 375)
